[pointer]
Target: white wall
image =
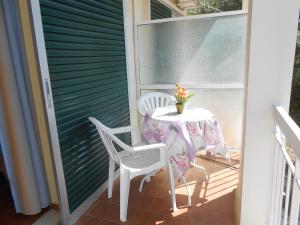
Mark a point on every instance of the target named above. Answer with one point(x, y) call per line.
point(271, 47)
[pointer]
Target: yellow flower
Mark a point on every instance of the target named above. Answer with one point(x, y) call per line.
point(181, 93)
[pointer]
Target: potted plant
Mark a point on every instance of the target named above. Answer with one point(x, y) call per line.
point(182, 97)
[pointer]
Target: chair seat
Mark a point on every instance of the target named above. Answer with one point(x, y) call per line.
point(140, 160)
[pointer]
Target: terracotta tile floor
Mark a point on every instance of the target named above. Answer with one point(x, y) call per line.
point(212, 202)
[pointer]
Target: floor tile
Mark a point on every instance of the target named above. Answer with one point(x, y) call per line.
point(212, 200)
point(139, 201)
point(139, 217)
point(88, 220)
point(159, 205)
point(107, 222)
point(157, 191)
point(209, 217)
point(105, 210)
point(179, 221)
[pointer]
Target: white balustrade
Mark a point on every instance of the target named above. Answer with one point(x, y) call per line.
point(285, 200)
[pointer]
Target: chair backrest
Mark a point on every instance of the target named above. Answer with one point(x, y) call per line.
point(108, 138)
point(154, 100)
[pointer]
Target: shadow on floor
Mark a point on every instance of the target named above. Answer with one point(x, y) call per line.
point(212, 201)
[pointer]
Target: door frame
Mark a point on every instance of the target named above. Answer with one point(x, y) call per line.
point(68, 218)
point(47, 92)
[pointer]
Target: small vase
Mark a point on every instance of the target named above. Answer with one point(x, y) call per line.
point(180, 108)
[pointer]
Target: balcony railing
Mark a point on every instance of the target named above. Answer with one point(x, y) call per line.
point(286, 185)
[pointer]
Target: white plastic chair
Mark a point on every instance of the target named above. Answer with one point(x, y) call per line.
point(133, 161)
point(150, 101)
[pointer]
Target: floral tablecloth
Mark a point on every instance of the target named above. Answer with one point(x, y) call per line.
point(184, 134)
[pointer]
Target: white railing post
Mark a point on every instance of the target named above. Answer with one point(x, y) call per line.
point(274, 208)
point(294, 216)
point(278, 185)
point(287, 197)
point(281, 170)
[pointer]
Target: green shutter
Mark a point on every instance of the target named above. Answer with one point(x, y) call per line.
point(159, 11)
point(86, 56)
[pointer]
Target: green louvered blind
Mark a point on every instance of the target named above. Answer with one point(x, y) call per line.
point(159, 11)
point(86, 56)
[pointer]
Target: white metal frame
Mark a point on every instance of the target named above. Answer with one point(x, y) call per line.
point(191, 86)
point(42, 55)
point(130, 64)
point(144, 87)
point(66, 217)
point(202, 16)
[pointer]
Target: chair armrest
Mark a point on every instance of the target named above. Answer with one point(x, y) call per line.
point(120, 130)
point(149, 147)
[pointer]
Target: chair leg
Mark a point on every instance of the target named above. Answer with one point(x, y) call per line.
point(200, 168)
point(124, 193)
point(146, 178)
point(111, 173)
point(172, 185)
point(142, 183)
point(188, 191)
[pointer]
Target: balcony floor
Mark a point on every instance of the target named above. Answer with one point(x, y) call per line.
point(212, 203)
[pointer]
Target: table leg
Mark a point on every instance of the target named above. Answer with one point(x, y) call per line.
point(172, 185)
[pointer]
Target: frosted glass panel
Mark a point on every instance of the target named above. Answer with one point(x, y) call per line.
point(226, 105)
point(205, 51)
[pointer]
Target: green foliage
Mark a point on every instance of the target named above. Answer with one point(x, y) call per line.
point(181, 100)
point(211, 6)
point(295, 94)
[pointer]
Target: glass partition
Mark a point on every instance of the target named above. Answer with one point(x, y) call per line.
point(208, 50)
point(207, 55)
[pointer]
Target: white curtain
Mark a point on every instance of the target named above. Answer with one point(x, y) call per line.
point(20, 145)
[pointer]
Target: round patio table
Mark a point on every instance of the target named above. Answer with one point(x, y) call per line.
point(184, 134)
point(190, 114)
